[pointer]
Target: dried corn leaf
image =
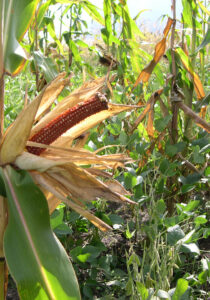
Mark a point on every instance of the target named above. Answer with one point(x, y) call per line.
point(28, 161)
point(168, 27)
point(15, 138)
point(150, 127)
point(115, 186)
point(149, 107)
point(159, 52)
point(49, 184)
point(83, 185)
point(51, 93)
point(58, 156)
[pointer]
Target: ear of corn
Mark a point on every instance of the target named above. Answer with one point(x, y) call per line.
point(67, 120)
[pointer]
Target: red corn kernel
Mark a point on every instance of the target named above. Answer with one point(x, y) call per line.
point(65, 121)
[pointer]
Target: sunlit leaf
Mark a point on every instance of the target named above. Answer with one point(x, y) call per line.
point(17, 16)
point(51, 30)
point(205, 41)
point(181, 289)
point(40, 14)
point(203, 8)
point(188, 66)
point(92, 11)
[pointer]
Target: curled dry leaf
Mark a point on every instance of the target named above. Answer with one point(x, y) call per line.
point(159, 52)
point(148, 108)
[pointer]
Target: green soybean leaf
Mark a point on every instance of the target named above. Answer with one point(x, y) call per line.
point(36, 259)
point(142, 290)
point(174, 234)
point(181, 289)
point(200, 220)
point(171, 150)
point(160, 124)
point(190, 248)
point(17, 16)
point(187, 188)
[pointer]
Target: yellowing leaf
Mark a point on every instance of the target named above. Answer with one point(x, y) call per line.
point(150, 127)
point(148, 108)
point(196, 80)
point(159, 51)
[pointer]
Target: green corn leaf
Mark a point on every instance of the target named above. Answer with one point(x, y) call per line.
point(187, 12)
point(41, 13)
point(108, 21)
point(17, 16)
point(36, 259)
point(51, 30)
point(91, 9)
point(205, 41)
point(46, 64)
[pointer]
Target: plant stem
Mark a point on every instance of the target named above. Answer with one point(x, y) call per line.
point(202, 53)
point(70, 37)
point(188, 123)
point(174, 122)
point(36, 49)
point(3, 205)
point(1, 106)
point(1, 72)
point(3, 268)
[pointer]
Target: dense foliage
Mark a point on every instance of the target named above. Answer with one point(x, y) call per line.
point(160, 246)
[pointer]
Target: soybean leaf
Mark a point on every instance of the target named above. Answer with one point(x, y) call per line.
point(181, 290)
point(175, 233)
